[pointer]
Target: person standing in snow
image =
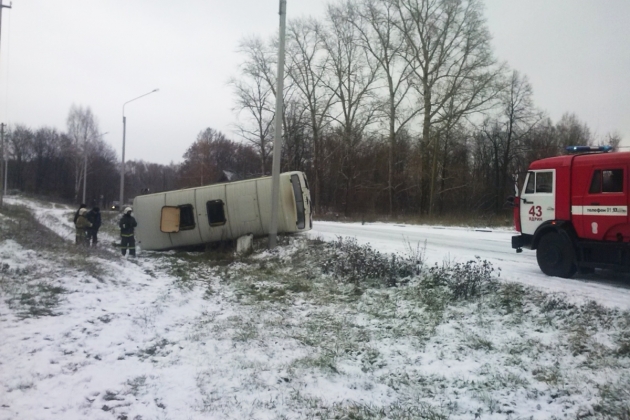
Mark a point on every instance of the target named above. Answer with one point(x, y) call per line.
point(94, 217)
point(76, 214)
point(82, 224)
point(127, 241)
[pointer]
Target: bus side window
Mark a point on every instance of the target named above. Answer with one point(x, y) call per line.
point(186, 217)
point(216, 212)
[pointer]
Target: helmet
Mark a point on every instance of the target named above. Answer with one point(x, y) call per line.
point(128, 209)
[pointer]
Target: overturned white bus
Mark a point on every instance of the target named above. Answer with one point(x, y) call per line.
point(195, 216)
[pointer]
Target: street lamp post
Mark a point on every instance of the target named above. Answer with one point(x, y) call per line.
point(85, 164)
point(122, 166)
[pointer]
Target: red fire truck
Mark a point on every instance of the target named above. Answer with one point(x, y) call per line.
point(573, 210)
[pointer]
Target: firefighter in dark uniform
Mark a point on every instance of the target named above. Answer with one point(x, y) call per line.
point(94, 217)
point(127, 241)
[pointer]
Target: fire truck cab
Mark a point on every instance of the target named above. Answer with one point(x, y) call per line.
point(573, 210)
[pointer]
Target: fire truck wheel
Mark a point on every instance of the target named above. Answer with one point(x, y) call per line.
point(556, 256)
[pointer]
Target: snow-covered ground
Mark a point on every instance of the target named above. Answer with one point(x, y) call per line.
point(461, 244)
point(165, 337)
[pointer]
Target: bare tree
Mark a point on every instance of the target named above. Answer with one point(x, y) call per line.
point(449, 48)
point(20, 140)
point(210, 155)
point(308, 67)
point(146, 177)
point(45, 148)
point(353, 80)
point(508, 132)
point(103, 172)
point(255, 94)
point(570, 131)
point(206, 158)
point(380, 36)
point(297, 136)
point(82, 128)
point(613, 140)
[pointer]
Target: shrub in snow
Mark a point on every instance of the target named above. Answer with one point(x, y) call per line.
point(357, 264)
point(463, 281)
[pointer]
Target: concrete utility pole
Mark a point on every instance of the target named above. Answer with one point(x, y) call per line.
point(277, 140)
point(84, 172)
point(3, 163)
point(6, 167)
point(2, 176)
point(6, 163)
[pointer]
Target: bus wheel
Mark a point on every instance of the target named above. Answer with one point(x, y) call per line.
point(556, 256)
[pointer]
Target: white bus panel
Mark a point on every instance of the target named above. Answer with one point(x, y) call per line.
point(218, 212)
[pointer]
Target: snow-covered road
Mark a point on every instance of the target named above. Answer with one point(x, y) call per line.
point(458, 244)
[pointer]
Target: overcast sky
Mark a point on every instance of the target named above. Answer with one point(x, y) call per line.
point(576, 54)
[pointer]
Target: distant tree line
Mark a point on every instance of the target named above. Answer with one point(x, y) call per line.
point(390, 106)
point(54, 164)
point(48, 162)
point(398, 107)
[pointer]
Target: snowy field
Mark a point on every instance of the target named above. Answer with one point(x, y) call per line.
point(87, 334)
